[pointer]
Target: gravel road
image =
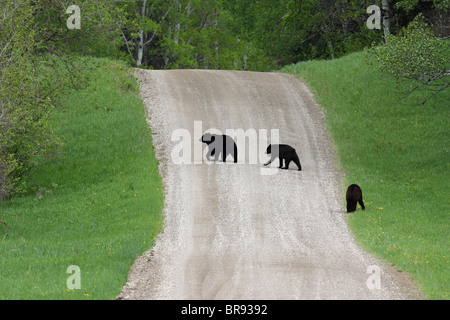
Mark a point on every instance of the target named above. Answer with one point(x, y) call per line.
point(242, 231)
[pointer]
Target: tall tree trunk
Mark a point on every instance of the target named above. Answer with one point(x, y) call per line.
point(140, 49)
point(386, 17)
point(140, 46)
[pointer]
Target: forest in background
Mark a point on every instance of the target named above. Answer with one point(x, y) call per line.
point(261, 35)
point(42, 44)
point(256, 35)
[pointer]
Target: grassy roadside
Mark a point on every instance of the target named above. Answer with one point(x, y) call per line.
point(399, 155)
point(99, 204)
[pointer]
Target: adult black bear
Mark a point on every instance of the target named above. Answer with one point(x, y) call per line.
point(354, 195)
point(220, 144)
point(283, 152)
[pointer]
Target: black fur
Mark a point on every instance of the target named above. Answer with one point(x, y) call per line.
point(283, 152)
point(220, 144)
point(353, 196)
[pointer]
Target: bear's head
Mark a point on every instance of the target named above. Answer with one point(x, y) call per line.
point(207, 138)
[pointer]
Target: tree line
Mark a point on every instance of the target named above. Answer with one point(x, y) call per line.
point(40, 55)
point(262, 34)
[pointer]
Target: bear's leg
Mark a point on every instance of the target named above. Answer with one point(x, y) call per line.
point(361, 203)
point(351, 206)
point(281, 161)
point(225, 150)
point(297, 162)
point(272, 158)
point(215, 153)
point(287, 161)
point(209, 154)
point(216, 157)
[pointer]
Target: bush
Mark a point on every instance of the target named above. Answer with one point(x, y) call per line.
point(418, 57)
point(25, 136)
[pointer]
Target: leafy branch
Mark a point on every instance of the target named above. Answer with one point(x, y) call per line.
point(417, 56)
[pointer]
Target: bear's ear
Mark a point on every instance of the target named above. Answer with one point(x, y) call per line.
point(212, 138)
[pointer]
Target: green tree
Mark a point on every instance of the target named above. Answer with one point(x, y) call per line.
point(417, 56)
point(288, 31)
point(178, 34)
point(436, 12)
point(25, 136)
point(410, 5)
point(59, 49)
point(329, 29)
point(99, 32)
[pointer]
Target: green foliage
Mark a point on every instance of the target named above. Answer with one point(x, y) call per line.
point(36, 71)
point(179, 34)
point(26, 139)
point(290, 30)
point(98, 205)
point(100, 27)
point(219, 34)
point(410, 5)
point(399, 157)
point(417, 57)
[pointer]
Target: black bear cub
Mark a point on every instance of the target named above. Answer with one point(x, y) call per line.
point(283, 152)
point(220, 144)
point(353, 196)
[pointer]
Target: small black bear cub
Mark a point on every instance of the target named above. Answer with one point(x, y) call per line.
point(220, 144)
point(284, 152)
point(354, 195)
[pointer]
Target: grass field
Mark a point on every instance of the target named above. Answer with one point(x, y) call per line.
point(99, 203)
point(399, 155)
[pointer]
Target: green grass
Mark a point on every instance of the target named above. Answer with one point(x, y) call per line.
point(399, 155)
point(99, 203)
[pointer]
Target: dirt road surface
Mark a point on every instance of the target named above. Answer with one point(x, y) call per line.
point(238, 231)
